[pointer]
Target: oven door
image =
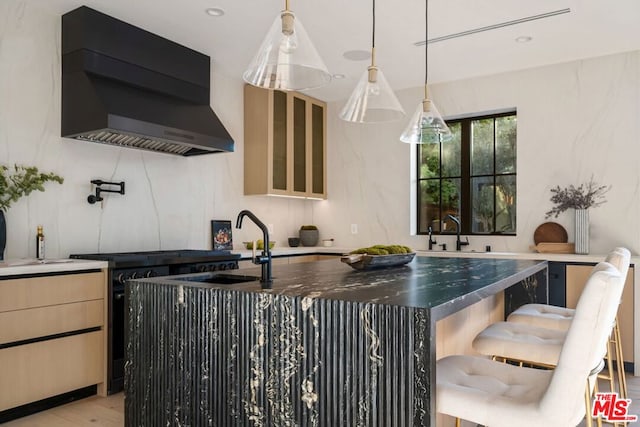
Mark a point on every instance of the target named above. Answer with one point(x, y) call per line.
point(117, 321)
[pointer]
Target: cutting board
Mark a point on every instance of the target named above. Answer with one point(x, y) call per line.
point(555, 248)
point(550, 232)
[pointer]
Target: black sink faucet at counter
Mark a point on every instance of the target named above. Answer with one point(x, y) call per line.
point(265, 259)
point(459, 243)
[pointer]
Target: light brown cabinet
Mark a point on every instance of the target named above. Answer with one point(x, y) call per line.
point(52, 336)
point(284, 144)
point(576, 278)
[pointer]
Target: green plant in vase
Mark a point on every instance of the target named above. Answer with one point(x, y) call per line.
point(15, 183)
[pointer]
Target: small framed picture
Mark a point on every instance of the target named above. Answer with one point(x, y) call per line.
point(221, 235)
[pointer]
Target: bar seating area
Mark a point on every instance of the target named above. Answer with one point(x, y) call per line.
point(542, 364)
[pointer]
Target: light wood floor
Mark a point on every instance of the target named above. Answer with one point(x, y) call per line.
point(109, 411)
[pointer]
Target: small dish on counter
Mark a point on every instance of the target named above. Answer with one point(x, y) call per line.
point(367, 262)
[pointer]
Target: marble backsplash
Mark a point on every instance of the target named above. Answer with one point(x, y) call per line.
point(575, 120)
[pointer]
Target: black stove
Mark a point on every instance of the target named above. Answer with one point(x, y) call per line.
point(124, 266)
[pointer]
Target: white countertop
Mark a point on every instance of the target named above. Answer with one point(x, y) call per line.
point(14, 267)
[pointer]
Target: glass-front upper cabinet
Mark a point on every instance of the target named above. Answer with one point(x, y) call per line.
point(285, 144)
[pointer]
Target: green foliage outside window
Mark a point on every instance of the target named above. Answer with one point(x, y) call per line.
point(484, 189)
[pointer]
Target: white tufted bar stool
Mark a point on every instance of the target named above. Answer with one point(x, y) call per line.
point(559, 318)
point(495, 394)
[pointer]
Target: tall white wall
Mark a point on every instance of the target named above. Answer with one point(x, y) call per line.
point(574, 120)
point(169, 200)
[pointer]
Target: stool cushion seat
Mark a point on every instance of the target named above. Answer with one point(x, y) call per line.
point(543, 315)
point(479, 389)
point(521, 342)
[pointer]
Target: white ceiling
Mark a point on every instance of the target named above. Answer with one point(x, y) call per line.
point(592, 28)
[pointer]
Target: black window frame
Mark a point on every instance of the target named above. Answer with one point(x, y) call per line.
point(465, 178)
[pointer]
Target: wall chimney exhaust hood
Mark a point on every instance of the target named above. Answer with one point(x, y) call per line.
point(124, 86)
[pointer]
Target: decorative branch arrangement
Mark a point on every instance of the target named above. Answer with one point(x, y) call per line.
point(589, 195)
point(21, 181)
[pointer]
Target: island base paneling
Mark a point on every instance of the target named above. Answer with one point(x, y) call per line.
point(238, 358)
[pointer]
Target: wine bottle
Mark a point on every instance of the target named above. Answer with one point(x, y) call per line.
point(40, 243)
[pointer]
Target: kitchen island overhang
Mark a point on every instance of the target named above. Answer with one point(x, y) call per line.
point(326, 346)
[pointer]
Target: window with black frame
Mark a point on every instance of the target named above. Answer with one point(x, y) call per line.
point(472, 176)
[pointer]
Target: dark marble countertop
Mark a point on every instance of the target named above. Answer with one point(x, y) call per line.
point(443, 285)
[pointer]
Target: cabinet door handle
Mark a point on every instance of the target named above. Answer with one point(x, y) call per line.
point(119, 296)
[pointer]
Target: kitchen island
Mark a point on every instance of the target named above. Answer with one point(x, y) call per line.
point(326, 346)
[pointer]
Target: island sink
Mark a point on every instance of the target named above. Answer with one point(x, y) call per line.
point(229, 279)
point(217, 278)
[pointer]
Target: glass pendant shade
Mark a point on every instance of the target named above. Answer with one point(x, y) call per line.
point(372, 100)
point(287, 60)
point(426, 126)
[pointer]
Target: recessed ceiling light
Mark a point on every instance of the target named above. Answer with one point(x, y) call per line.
point(524, 39)
point(214, 11)
point(357, 55)
point(339, 76)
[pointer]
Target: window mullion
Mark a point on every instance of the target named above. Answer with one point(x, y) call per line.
point(465, 173)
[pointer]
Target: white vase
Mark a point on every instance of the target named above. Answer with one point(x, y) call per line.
point(582, 231)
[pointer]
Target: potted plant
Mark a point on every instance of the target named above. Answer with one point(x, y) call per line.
point(309, 235)
point(581, 198)
point(15, 183)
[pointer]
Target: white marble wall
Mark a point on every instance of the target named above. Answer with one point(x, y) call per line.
point(574, 120)
point(169, 200)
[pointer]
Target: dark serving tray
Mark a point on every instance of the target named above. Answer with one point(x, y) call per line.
point(366, 262)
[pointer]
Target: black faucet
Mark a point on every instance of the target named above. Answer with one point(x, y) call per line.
point(265, 259)
point(459, 244)
point(431, 242)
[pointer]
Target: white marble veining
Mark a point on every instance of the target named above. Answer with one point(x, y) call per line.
point(575, 120)
point(169, 200)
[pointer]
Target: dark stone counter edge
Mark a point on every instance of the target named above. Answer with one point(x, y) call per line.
point(443, 310)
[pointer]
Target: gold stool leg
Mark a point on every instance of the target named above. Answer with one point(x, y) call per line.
point(587, 405)
point(595, 390)
point(622, 379)
point(611, 376)
point(457, 422)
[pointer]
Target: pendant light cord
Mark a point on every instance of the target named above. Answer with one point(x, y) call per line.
point(426, 44)
point(373, 32)
point(373, 35)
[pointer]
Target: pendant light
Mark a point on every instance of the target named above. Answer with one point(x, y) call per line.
point(426, 125)
point(372, 100)
point(287, 60)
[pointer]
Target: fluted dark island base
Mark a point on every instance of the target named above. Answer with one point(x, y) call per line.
point(327, 346)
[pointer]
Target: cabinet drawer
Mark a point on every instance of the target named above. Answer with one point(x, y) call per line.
point(18, 294)
point(36, 371)
point(56, 319)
